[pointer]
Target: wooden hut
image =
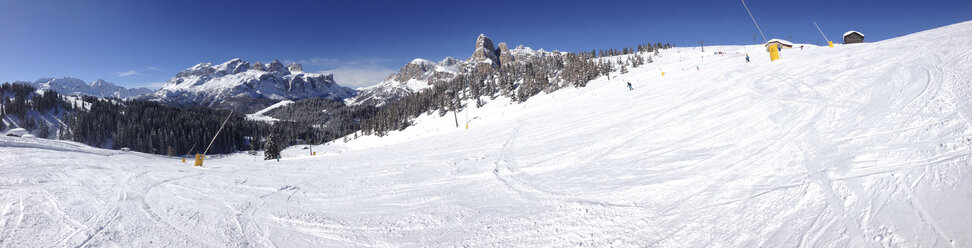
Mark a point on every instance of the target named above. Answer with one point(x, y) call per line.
point(852, 37)
point(784, 44)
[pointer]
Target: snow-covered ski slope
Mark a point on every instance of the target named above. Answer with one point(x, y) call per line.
point(864, 145)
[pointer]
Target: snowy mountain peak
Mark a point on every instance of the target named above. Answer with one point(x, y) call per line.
point(231, 63)
point(101, 82)
point(421, 61)
point(295, 68)
point(201, 65)
point(233, 66)
point(258, 66)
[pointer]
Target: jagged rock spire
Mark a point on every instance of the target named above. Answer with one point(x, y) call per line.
point(485, 50)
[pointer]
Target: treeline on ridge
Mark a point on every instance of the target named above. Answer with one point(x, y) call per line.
point(518, 81)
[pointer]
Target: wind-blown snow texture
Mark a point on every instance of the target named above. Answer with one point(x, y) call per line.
point(858, 145)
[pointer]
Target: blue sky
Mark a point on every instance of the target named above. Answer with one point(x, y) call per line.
point(144, 43)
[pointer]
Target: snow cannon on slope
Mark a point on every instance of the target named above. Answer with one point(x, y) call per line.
point(774, 52)
point(199, 159)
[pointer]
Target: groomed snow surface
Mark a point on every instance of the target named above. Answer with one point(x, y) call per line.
point(864, 145)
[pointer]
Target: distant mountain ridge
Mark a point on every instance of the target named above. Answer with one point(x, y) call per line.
point(416, 75)
point(248, 87)
point(239, 85)
point(421, 74)
point(98, 88)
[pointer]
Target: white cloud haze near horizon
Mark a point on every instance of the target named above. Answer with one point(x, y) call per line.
point(125, 74)
point(359, 77)
point(350, 73)
point(150, 85)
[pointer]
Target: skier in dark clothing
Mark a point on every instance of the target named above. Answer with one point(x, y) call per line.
point(629, 86)
point(747, 58)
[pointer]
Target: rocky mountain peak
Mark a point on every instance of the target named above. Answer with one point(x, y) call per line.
point(449, 61)
point(484, 42)
point(416, 69)
point(258, 66)
point(485, 51)
point(276, 66)
point(197, 70)
point(504, 54)
point(233, 66)
point(101, 82)
point(295, 68)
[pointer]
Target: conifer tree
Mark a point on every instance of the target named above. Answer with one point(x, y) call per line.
point(272, 150)
point(45, 131)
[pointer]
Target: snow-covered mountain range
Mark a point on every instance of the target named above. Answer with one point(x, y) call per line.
point(239, 85)
point(98, 88)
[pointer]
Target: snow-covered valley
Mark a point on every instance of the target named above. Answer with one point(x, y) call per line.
point(865, 145)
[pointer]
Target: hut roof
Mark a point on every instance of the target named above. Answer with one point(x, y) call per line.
point(851, 32)
point(17, 131)
point(781, 41)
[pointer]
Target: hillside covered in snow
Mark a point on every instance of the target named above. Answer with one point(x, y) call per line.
point(863, 145)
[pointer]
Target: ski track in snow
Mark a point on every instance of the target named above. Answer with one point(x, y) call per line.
point(864, 145)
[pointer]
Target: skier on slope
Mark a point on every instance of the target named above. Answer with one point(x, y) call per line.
point(747, 58)
point(629, 86)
